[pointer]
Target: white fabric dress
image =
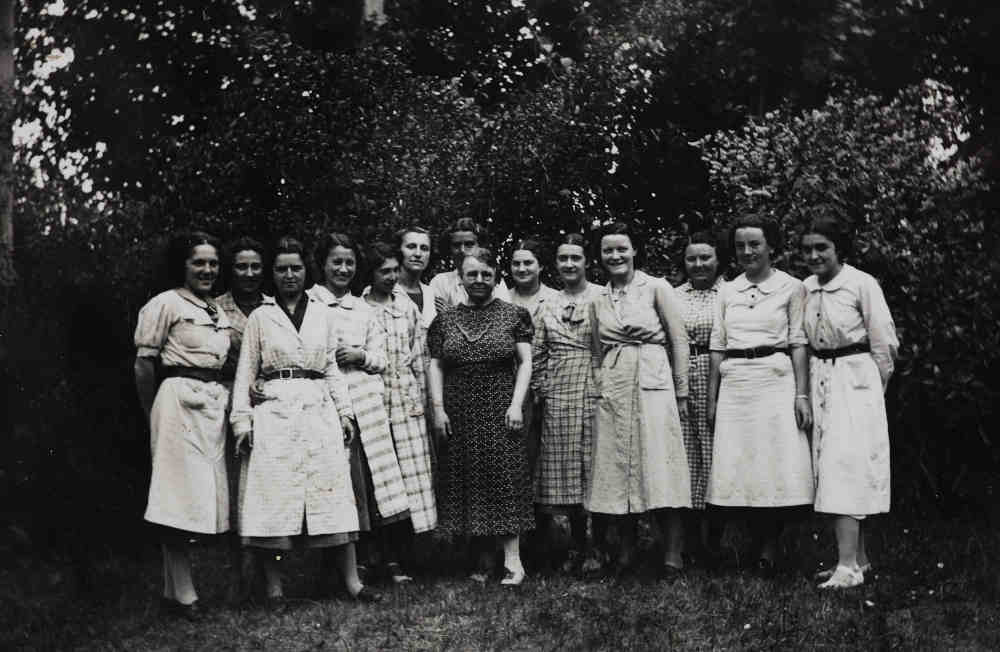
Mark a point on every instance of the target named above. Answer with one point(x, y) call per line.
point(188, 489)
point(760, 458)
point(850, 431)
point(298, 475)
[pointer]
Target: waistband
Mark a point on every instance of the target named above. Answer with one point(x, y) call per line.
point(196, 373)
point(833, 354)
point(698, 349)
point(289, 374)
point(755, 352)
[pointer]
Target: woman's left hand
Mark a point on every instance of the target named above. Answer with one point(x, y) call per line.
point(350, 430)
point(515, 419)
point(682, 408)
point(803, 413)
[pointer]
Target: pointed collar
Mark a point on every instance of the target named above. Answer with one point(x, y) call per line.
point(323, 294)
point(687, 287)
point(394, 303)
point(639, 279)
point(834, 284)
point(774, 282)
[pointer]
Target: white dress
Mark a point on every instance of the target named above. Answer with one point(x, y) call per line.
point(760, 458)
point(298, 477)
point(850, 431)
point(188, 489)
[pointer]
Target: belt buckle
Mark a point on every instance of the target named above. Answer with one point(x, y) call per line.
point(285, 374)
point(751, 353)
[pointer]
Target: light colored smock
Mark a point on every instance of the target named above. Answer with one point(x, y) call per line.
point(188, 489)
point(760, 458)
point(449, 291)
point(639, 460)
point(850, 428)
point(298, 478)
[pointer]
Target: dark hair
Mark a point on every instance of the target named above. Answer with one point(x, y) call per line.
point(327, 244)
point(484, 255)
point(398, 236)
point(378, 253)
point(179, 250)
point(461, 224)
point(243, 243)
point(834, 229)
point(532, 245)
point(575, 239)
point(621, 228)
point(754, 221)
point(289, 245)
point(713, 240)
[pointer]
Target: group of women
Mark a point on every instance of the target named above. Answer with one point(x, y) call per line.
point(369, 407)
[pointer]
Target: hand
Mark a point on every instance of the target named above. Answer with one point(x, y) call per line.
point(439, 304)
point(710, 414)
point(514, 418)
point(350, 430)
point(682, 408)
point(442, 426)
point(244, 438)
point(257, 394)
point(350, 356)
point(803, 413)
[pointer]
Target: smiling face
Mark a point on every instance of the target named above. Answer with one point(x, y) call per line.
point(821, 256)
point(524, 269)
point(617, 255)
point(201, 270)
point(478, 278)
point(248, 272)
point(385, 276)
point(462, 243)
point(752, 251)
point(571, 261)
point(339, 269)
point(416, 252)
point(701, 264)
point(289, 275)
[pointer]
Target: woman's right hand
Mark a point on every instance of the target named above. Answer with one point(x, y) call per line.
point(257, 394)
point(442, 426)
point(241, 438)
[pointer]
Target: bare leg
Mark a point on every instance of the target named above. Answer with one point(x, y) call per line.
point(177, 583)
point(512, 553)
point(272, 573)
point(862, 552)
point(347, 563)
point(672, 528)
point(847, 529)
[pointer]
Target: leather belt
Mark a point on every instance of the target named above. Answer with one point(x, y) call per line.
point(698, 349)
point(833, 354)
point(756, 352)
point(197, 373)
point(289, 374)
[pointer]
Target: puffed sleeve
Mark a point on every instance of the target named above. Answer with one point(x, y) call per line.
point(247, 369)
point(336, 383)
point(797, 314)
point(718, 340)
point(540, 356)
point(155, 320)
point(435, 336)
point(880, 326)
point(524, 330)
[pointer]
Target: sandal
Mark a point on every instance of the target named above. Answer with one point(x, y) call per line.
point(844, 578)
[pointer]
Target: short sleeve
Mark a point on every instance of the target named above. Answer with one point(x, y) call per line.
point(524, 329)
point(155, 320)
point(435, 337)
point(718, 339)
point(797, 314)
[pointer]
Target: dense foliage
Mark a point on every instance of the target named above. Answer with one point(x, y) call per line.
point(534, 116)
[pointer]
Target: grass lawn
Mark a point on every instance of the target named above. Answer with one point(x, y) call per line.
point(934, 587)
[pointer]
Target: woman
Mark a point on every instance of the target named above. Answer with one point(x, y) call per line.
point(853, 342)
point(415, 256)
point(758, 390)
point(464, 235)
point(361, 353)
point(563, 380)
point(186, 332)
point(298, 480)
point(478, 398)
point(244, 275)
point(640, 464)
point(703, 265)
point(404, 401)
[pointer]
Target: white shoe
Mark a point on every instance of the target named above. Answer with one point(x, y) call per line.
point(827, 573)
point(512, 578)
point(844, 578)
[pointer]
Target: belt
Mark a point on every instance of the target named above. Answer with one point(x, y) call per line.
point(698, 349)
point(289, 374)
point(833, 354)
point(197, 373)
point(756, 352)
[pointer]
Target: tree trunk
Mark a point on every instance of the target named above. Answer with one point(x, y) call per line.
point(7, 109)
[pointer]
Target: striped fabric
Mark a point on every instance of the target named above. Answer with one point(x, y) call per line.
point(356, 327)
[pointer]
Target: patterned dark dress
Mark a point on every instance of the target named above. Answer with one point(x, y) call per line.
point(487, 487)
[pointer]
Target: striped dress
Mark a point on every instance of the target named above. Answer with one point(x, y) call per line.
point(699, 309)
point(562, 376)
point(405, 389)
point(356, 327)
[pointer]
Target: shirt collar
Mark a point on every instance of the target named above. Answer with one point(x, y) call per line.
point(323, 294)
point(687, 287)
point(834, 284)
point(639, 279)
point(773, 282)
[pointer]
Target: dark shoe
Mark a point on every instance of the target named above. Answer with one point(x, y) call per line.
point(670, 573)
point(190, 612)
point(366, 595)
point(765, 569)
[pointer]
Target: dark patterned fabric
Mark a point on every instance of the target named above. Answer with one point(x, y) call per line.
point(486, 484)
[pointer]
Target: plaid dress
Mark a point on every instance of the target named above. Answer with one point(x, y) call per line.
point(562, 376)
point(405, 388)
point(356, 327)
point(699, 310)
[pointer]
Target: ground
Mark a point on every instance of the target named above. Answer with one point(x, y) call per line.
point(934, 587)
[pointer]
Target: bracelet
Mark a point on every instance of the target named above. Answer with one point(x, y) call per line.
point(801, 396)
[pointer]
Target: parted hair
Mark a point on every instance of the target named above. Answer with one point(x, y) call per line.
point(397, 239)
point(377, 254)
point(621, 228)
point(825, 222)
point(233, 247)
point(772, 234)
point(532, 245)
point(484, 255)
point(461, 224)
point(712, 239)
point(289, 245)
point(179, 250)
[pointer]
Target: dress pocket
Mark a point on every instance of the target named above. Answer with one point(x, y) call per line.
point(654, 370)
point(859, 371)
